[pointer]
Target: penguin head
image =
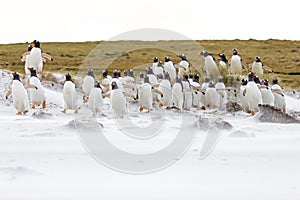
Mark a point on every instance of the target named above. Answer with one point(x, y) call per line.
point(32, 71)
point(185, 77)
point(116, 74)
point(91, 73)
point(160, 64)
point(167, 76)
point(178, 80)
point(114, 85)
point(265, 82)
point(155, 59)
point(196, 78)
point(130, 73)
point(275, 81)
point(183, 57)
point(257, 59)
point(29, 48)
point(159, 76)
point(211, 84)
point(105, 73)
point(234, 52)
point(142, 75)
point(251, 76)
point(204, 53)
point(68, 77)
point(256, 80)
point(167, 59)
point(207, 80)
point(223, 57)
point(16, 76)
point(149, 70)
point(221, 80)
point(244, 82)
point(190, 76)
point(97, 84)
point(146, 79)
point(125, 72)
point(37, 44)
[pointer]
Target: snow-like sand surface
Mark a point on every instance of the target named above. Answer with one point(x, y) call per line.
point(45, 159)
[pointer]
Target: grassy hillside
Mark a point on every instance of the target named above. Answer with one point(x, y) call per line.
point(282, 56)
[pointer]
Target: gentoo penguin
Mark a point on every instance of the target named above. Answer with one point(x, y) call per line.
point(70, 95)
point(257, 66)
point(187, 93)
point(212, 99)
point(35, 59)
point(27, 61)
point(152, 78)
point(36, 90)
point(266, 93)
point(252, 94)
point(243, 99)
point(166, 90)
point(195, 83)
point(95, 102)
point(279, 97)
point(19, 95)
point(129, 84)
point(145, 95)
point(183, 65)
point(106, 78)
point(223, 61)
point(220, 87)
point(210, 66)
point(235, 63)
point(154, 65)
point(159, 70)
point(87, 84)
point(169, 67)
point(177, 94)
point(117, 101)
point(201, 94)
point(117, 80)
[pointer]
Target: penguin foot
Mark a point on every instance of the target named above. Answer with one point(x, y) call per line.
point(148, 110)
point(161, 104)
point(44, 104)
point(64, 111)
point(19, 113)
point(26, 111)
point(284, 110)
point(33, 106)
point(168, 108)
point(201, 108)
point(85, 100)
point(252, 113)
point(141, 109)
point(76, 111)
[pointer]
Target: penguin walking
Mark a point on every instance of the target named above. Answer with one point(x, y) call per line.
point(212, 99)
point(159, 70)
point(19, 95)
point(95, 102)
point(235, 63)
point(145, 95)
point(196, 84)
point(129, 84)
point(220, 87)
point(177, 94)
point(210, 66)
point(243, 99)
point(183, 66)
point(166, 89)
point(257, 66)
point(169, 67)
point(36, 90)
point(187, 93)
point(154, 65)
point(252, 94)
point(27, 60)
point(266, 93)
point(70, 95)
point(87, 84)
point(36, 59)
point(223, 61)
point(106, 78)
point(279, 97)
point(117, 101)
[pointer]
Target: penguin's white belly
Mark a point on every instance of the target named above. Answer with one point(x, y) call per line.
point(95, 100)
point(185, 69)
point(70, 96)
point(279, 101)
point(243, 99)
point(188, 96)
point(211, 68)
point(88, 84)
point(165, 88)
point(171, 70)
point(145, 96)
point(253, 96)
point(118, 103)
point(152, 79)
point(236, 65)
point(37, 96)
point(222, 93)
point(20, 96)
point(267, 97)
point(211, 98)
point(36, 62)
point(177, 95)
point(27, 64)
point(158, 70)
point(257, 68)
point(223, 64)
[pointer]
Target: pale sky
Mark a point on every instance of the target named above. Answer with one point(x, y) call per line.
point(91, 20)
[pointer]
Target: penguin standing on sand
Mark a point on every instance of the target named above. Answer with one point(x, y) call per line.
point(36, 59)
point(183, 65)
point(159, 72)
point(266, 93)
point(166, 90)
point(223, 61)
point(235, 63)
point(87, 84)
point(243, 99)
point(210, 66)
point(19, 95)
point(257, 66)
point(169, 67)
point(117, 101)
point(195, 83)
point(95, 102)
point(145, 95)
point(187, 93)
point(106, 78)
point(177, 94)
point(154, 65)
point(70, 95)
point(279, 97)
point(36, 90)
point(220, 87)
point(212, 99)
point(252, 94)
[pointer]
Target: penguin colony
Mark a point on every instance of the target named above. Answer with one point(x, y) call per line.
point(167, 85)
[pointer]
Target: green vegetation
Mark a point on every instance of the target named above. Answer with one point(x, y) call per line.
point(283, 56)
